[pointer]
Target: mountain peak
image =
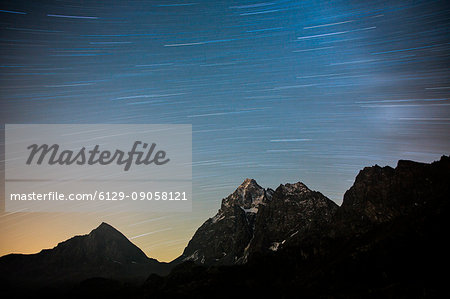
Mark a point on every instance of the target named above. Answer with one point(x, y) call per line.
point(248, 182)
point(104, 252)
point(294, 188)
point(248, 195)
point(253, 220)
point(104, 243)
point(106, 229)
point(105, 225)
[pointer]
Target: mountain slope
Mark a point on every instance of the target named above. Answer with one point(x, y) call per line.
point(103, 244)
point(104, 252)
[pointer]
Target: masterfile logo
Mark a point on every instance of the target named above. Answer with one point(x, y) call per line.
point(115, 167)
point(94, 156)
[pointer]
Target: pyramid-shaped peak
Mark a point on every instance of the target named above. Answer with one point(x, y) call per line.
point(248, 186)
point(249, 182)
point(104, 226)
point(104, 243)
point(106, 229)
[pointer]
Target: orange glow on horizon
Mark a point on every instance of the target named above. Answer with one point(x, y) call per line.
point(162, 237)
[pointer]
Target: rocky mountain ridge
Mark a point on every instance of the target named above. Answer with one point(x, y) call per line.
point(387, 239)
point(257, 220)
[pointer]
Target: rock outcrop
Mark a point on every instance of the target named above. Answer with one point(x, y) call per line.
point(254, 220)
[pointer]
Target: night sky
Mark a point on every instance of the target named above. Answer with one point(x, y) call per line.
point(280, 91)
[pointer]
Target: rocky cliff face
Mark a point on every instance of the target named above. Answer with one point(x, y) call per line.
point(254, 220)
point(382, 194)
point(293, 211)
point(224, 238)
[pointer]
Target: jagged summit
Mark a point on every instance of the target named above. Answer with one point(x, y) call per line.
point(247, 196)
point(248, 185)
point(291, 189)
point(388, 239)
point(248, 182)
point(253, 219)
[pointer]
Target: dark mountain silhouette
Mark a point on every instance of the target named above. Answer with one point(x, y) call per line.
point(104, 252)
point(387, 240)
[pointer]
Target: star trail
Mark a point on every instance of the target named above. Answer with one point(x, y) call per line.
point(279, 91)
